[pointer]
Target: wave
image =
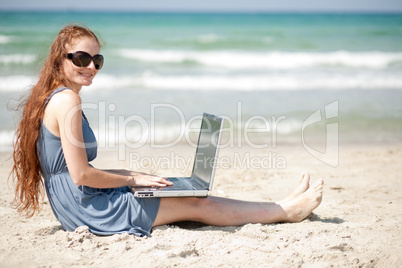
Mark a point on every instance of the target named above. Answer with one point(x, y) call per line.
point(166, 134)
point(16, 83)
point(198, 39)
point(267, 60)
point(240, 82)
point(4, 39)
point(171, 133)
point(17, 59)
point(208, 38)
point(251, 82)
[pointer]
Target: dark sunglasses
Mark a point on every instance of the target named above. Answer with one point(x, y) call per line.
point(83, 59)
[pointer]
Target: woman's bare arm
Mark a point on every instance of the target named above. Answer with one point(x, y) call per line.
point(141, 178)
point(64, 111)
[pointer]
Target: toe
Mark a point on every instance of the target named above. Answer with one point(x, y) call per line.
point(304, 175)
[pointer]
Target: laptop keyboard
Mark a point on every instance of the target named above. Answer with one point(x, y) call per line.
point(178, 184)
point(182, 184)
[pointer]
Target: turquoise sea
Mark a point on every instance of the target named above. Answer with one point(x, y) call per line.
point(265, 72)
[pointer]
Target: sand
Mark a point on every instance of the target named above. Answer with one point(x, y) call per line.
point(358, 223)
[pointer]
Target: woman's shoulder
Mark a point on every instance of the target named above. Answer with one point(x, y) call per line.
point(60, 104)
point(64, 98)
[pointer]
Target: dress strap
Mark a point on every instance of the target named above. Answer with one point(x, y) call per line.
point(57, 90)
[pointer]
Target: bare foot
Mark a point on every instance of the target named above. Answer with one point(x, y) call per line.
point(301, 188)
point(300, 207)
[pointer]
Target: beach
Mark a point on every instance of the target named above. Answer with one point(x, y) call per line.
point(358, 223)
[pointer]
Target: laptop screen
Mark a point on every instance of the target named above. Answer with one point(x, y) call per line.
point(207, 148)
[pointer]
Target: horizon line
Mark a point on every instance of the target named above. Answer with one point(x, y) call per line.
point(205, 11)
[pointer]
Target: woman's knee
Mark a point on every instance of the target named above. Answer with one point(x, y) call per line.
point(195, 208)
point(179, 209)
point(190, 206)
point(201, 206)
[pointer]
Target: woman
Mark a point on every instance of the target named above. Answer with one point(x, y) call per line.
point(54, 134)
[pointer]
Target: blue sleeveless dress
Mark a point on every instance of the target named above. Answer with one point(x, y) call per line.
point(104, 211)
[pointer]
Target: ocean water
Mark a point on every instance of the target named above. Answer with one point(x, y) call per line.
point(267, 74)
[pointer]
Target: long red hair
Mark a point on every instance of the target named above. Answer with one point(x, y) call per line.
point(26, 171)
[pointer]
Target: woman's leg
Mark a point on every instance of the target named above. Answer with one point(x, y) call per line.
point(219, 211)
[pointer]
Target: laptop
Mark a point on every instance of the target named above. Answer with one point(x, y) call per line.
point(202, 175)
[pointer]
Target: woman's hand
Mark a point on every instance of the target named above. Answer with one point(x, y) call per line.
point(139, 179)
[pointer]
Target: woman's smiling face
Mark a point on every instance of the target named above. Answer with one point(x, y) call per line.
point(81, 76)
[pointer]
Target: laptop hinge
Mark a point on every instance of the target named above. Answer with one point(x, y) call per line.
point(200, 181)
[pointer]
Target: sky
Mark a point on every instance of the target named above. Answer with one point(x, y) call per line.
point(209, 5)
